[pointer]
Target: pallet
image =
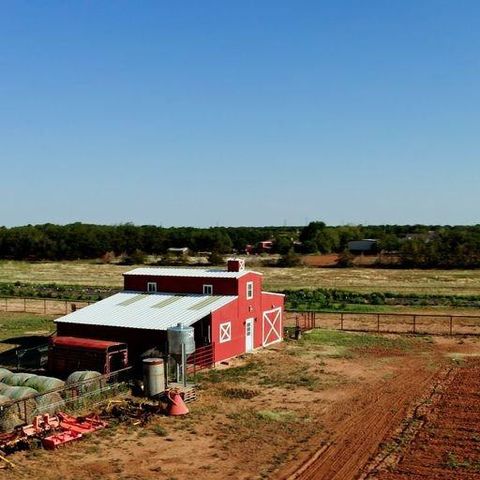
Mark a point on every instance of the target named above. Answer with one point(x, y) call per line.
point(188, 393)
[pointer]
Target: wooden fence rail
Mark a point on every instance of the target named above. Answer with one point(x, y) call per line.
point(46, 306)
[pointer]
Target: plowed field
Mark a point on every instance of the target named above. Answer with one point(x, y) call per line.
point(447, 446)
point(360, 424)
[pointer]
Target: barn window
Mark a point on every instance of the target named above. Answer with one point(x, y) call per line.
point(208, 289)
point(151, 286)
point(249, 290)
point(225, 332)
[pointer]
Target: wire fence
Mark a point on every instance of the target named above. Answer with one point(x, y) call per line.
point(74, 398)
point(408, 323)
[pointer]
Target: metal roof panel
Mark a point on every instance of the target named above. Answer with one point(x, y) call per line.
point(153, 311)
point(188, 272)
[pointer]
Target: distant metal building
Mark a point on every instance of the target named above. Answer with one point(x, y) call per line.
point(367, 245)
point(227, 309)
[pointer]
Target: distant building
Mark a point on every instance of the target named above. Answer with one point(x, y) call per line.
point(265, 246)
point(366, 246)
point(426, 237)
point(178, 251)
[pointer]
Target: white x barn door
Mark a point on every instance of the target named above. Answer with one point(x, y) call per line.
point(272, 326)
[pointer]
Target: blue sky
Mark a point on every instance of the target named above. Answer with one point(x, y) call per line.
point(240, 112)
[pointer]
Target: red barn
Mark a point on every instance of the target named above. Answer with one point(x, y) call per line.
point(227, 309)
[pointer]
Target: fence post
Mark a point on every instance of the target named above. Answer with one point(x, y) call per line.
point(341, 321)
point(378, 323)
point(451, 325)
point(25, 305)
point(44, 306)
point(66, 307)
point(414, 324)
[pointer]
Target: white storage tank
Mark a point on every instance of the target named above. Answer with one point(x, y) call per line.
point(153, 376)
point(180, 335)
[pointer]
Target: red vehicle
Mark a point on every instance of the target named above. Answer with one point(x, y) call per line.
point(68, 354)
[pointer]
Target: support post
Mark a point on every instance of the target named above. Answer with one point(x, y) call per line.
point(184, 365)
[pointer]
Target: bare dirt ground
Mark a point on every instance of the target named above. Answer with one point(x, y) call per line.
point(267, 414)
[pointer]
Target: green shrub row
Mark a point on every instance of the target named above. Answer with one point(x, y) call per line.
point(304, 299)
point(55, 291)
point(322, 298)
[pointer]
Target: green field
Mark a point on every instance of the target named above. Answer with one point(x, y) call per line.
point(25, 325)
point(444, 282)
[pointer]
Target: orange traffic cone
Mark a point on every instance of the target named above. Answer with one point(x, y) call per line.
point(176, 405)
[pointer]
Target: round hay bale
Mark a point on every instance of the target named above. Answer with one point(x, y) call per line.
point(50, 403)
point(4, 373)
point(9, 419)
point(89, 380)
point(3, 387)
point(19, 393)
point(85, 385)
point(44, 384)
point(26, 403)
point(81, 375)
point(18, 379)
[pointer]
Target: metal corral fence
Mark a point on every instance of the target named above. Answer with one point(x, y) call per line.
point(46, 306)
point(200, 359)
point(78, 397)
point(416, 323)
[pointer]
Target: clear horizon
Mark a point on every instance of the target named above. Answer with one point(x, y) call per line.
point(240, 113)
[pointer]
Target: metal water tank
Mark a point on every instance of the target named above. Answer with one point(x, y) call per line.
point(153, 376)
point(180, 335)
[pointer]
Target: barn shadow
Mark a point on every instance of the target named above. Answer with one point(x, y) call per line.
point(29, 352)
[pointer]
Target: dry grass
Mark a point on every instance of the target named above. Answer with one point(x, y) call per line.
point(448, 282)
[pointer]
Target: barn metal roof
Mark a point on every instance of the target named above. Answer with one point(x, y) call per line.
point(91, 344)
point(152, 311)
point(187, 272)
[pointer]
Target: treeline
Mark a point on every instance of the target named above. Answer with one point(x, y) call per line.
point(86, 241)
point(423, 246)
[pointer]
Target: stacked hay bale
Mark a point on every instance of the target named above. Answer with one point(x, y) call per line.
point(50, 402)
point(27, 387)
point(38, 395)
point(4, 373)
point(17, 379)
point(44, 384)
